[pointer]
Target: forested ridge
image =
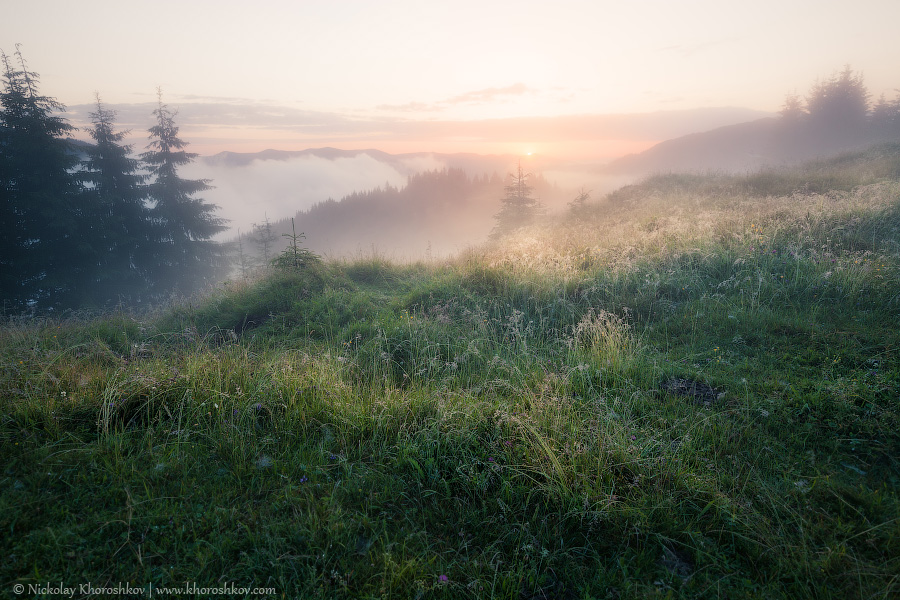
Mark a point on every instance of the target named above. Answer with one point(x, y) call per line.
point(838, 114)
point(435, 214)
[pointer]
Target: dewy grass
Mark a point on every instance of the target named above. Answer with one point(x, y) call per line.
point(690, 392)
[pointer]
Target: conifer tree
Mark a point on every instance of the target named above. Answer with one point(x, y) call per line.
point(185, 256)
point(885, 118)
point(838, 107)
point(295, 256)
point(792, 111)
point(243, 263)
point(518, 208)
point(264, 237)
point(42, 251)
point(578, 207)
point(119, 220)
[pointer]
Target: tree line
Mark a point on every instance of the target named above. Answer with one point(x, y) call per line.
point(838, 111)
point(88, 225)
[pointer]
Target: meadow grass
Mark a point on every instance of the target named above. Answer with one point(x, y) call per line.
point(689, 391)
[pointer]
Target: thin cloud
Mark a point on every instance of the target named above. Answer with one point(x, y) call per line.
point(410, 107)
point(227, 124)
point(232, 114)
point(482, 96)
point(687, 50)
point(489, 94)
point(198, 98)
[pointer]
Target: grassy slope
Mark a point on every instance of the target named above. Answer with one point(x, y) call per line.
point(509, 420)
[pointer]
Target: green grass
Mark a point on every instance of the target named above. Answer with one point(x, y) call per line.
point(513, 423)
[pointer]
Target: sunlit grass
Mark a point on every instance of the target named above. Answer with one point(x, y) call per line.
point(690, 391)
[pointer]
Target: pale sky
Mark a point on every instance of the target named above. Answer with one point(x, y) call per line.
point(441, 76)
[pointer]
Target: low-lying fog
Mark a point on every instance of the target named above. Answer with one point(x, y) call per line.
point(438, 217)
point(247, 193)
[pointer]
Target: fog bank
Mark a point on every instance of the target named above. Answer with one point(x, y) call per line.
point(246, 194)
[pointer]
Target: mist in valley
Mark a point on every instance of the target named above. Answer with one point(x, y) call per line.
point(248, 193)
point(358, 203)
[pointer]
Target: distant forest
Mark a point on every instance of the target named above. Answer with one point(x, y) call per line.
point(838, 114)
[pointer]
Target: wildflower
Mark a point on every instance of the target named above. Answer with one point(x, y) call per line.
point(444, 579)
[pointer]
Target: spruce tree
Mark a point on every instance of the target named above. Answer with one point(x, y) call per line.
point(295, 256)
point(185, 256)
point(838, 112)
point(264, 237)
point(578, 207)
point(42, 247)
point(518, 208)
point(119, 219)
point(840, 103)
point(884, 121)
point(243, 262)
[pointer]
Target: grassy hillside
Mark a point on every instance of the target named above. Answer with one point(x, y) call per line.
point(689, 389)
